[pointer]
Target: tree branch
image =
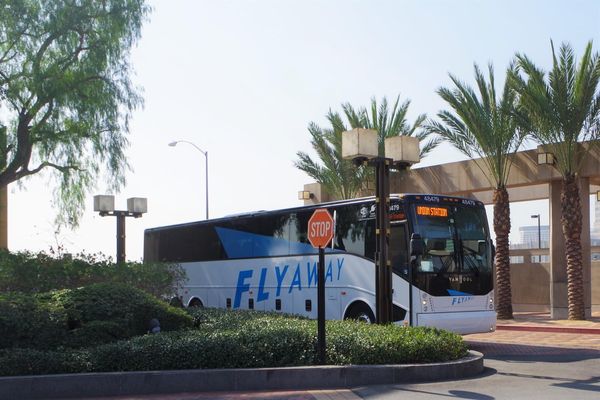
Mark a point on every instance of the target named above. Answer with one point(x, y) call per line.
point(62, 168)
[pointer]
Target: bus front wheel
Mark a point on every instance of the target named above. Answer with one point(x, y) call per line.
point(196, 303)
point(360, 312)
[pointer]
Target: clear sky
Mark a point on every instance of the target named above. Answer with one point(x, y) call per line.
point(242, 80)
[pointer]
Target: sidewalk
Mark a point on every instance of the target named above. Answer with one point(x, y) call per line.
point(534, 330)
point(541, 322)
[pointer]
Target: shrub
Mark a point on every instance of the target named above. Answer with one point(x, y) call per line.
point(82, 317)
point(237, 339)
point(37, 273)
point(250, 339)
point(27, 322)
point(120, 304)
point(95, 333)
point(352, 342)
point(38, 362)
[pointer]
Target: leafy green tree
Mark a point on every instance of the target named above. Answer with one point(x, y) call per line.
point(564, 106)
point(488, 129)
point(341, 178)
point(65, 93)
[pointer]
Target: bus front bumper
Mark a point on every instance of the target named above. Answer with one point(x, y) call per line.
point(460, 322)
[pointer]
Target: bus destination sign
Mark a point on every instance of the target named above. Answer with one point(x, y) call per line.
point(432, 211)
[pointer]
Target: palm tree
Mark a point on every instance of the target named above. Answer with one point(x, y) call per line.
point(564, 107)
point(339, 177)
point(389, 123)
point(485, 126)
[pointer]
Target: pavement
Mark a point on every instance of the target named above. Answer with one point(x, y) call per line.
point(541, 322)
point(528, 357)
point(537, 329)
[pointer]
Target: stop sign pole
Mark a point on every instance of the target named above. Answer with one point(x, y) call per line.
point(320, 233)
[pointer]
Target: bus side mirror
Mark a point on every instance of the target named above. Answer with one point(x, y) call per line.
point(481, 247)
point(417, 247)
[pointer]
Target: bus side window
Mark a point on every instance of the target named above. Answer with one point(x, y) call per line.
point(370, 239)
point(399, 249)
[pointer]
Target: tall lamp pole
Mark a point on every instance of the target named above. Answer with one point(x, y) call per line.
point(105, 206)
point(205, 153)
point(539, 230)
point(361, 146)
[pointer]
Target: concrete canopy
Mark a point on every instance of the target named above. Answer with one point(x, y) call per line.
point(527, 181)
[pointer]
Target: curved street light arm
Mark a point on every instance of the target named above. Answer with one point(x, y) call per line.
point(205, 153)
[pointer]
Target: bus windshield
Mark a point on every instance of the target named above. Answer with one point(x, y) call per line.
point(457, 254)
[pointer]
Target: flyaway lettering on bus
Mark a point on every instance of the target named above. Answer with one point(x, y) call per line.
point(459, 297)
point(303, 276)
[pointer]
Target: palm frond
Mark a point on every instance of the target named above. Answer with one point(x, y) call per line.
point(342, 178)
point(562, 105)
point(480, 125)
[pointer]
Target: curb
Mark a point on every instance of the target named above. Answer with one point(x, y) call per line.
point(548, 329)
point(230, 380)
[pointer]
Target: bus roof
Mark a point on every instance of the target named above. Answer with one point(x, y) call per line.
point(398, 196)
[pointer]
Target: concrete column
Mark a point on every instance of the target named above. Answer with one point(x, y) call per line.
point(586, 250)
point(558, 263)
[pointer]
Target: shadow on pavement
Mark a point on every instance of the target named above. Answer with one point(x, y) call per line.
point(451, 394)
point(588, 384)
point(375, 390)
point(568, 383)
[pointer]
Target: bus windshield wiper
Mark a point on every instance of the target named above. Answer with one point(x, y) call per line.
point(470, 263)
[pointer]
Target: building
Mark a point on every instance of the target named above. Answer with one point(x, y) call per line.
point(595, 234)
point(529, 237)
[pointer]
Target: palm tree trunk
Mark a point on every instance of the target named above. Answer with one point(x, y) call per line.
point(502, 229)
point(571, 221)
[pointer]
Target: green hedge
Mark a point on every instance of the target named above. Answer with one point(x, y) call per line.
point(237, 339)
point(38, 362)
point(41, 272)
point(352, 342)
point(95, 314)
point(25, 321)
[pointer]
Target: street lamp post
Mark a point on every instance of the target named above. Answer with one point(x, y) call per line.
point(205, 153)
point(105, 206)
point(539, 230)
point(361, 146)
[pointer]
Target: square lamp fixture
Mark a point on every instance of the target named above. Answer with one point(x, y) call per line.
point(545, 158)
point(359, 143)
point(104, 203)
point(305, 195)
point(403, 149)
point(138, 205)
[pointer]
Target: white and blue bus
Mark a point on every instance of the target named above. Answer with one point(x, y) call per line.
point(263, 261)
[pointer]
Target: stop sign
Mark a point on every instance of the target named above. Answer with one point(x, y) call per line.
point(320, 228)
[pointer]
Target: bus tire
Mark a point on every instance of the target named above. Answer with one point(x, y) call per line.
point(361, 312)
point(195, 302)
